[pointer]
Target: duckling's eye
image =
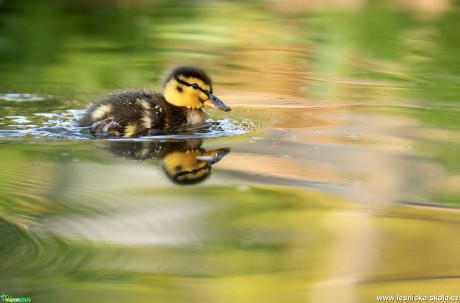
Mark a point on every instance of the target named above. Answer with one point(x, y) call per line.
point(195, 86)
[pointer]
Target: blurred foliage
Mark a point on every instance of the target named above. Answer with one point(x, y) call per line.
point(74, 49)
point(61, 48)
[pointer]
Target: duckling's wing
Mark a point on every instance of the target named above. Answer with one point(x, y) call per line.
point(133, 114)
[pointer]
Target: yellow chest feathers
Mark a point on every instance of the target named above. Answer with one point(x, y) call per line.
point(195, 116)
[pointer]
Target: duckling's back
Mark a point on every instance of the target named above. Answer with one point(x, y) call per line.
point(129, 114)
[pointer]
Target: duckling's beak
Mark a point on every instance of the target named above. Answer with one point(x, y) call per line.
point(216, 103)
point(214, 156)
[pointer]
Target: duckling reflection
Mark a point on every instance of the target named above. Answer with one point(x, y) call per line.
point(185, 162)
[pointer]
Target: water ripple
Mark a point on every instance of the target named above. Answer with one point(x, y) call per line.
point(15, 97)
point(64, 126)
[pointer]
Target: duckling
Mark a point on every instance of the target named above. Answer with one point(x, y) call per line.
point(193, 166)
point(186, 90)
point(185, 162)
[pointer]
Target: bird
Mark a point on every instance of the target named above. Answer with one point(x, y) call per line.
point(131, 114)
point(184, 161)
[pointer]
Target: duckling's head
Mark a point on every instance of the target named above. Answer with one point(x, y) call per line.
point(191, 87)
point(192, 166)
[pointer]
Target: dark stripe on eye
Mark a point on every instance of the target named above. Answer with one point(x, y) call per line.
point(193, 172)
point(188, 84)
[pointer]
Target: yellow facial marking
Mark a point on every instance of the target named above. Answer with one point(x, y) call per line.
point(102, 111)
point(186, 96)
point(130, 130)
